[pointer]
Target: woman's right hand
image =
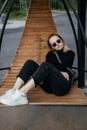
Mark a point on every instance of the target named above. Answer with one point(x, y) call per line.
point(65, 74)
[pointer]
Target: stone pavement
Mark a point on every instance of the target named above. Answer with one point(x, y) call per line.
point(39, 117)
point(43, 118)
point(12, 24)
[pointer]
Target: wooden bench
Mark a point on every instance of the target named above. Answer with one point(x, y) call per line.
point(33, 45)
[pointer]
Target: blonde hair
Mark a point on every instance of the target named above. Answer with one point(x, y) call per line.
point(65, 48)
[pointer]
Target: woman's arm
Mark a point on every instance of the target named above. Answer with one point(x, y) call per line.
point(67, 61)
point(50, 57)
point(65, 74)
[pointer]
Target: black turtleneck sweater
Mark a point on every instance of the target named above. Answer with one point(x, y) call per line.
point(65, 57)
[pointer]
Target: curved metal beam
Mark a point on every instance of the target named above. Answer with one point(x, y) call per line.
point(3, 7)
point(73, 28)
point(79, 22)
point(3, 29)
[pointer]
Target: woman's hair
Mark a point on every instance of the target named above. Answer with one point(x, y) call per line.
point(65, 48)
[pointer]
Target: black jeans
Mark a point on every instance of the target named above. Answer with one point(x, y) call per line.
point(47, 74)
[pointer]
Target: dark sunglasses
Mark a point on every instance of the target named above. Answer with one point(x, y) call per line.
point(54, 44)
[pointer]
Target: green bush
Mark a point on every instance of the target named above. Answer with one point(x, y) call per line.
point(18, 15)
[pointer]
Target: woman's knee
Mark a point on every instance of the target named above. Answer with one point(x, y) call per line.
point(29, 62)
point(61, 92)
point(45, 64)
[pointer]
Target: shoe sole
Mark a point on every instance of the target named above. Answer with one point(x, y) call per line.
point(15, 104)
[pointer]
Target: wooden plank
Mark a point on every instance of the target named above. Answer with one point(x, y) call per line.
point(37, 96)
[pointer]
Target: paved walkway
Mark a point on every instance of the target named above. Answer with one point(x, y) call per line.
point(12, 24)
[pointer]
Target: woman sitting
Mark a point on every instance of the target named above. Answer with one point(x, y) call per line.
point(52, 75)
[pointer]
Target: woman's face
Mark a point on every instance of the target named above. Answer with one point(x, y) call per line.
point(56, 43)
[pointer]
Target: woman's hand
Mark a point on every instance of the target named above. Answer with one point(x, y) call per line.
point(65, 74)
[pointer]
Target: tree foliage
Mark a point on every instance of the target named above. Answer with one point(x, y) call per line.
point(57, 4)
point(21, 6)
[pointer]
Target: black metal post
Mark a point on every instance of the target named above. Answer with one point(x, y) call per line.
point(81, 58)
point(72, 24)
point(3, 7)
point(3, 29)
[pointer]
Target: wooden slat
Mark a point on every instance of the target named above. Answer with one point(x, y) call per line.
point(75, 97)
point(33, 45)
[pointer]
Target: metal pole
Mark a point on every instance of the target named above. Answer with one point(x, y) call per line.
point(5, 3)
point(81, 58)
point(3, 29)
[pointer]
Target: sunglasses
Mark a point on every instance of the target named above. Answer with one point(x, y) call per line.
point(57, 41)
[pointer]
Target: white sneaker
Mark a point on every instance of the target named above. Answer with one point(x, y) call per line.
point(16, 99)
point(7, 94)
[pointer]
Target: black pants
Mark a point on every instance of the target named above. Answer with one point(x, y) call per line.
point(50, 77)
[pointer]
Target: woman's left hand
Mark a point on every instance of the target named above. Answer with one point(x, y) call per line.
point(65, 74)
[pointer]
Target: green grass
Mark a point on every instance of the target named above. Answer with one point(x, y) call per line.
point(21, 15)
point(17, 15)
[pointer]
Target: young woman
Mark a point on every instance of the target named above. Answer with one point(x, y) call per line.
point(51, 75)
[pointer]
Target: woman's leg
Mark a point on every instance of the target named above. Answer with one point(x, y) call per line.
point(29, 85)
point(59, 84)
point(24, 75)
point(56, 80)
point(39, 76)
point(18, 84)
